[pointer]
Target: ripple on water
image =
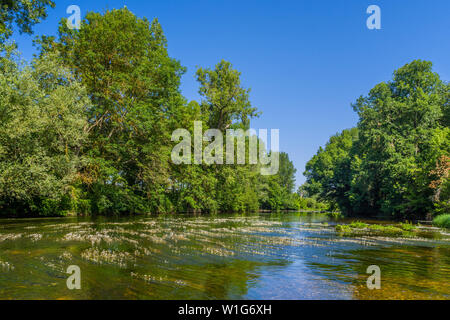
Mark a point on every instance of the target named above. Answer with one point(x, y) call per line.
point(170, 257)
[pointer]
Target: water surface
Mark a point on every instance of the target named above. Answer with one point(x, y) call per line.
point(260, 256)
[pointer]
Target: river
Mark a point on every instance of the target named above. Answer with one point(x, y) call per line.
point(255, 256)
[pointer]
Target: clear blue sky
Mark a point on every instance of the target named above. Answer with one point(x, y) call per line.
point(306, 61)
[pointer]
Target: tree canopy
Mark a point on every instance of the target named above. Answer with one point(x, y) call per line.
point(23, 13)
point(396, 161)
point(114, 156)
point(86, 128)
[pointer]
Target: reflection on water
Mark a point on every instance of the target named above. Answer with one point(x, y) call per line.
point(269, 256)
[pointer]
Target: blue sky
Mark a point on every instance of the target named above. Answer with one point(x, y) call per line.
point(305, 61)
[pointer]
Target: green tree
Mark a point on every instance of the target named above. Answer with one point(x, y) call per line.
point(328, 173)
point(392, 163)
point(41, 133)
point(123, 62)
point(276, 191)
point(212, 188)
point(397, 126)
point(225, 100)
point(23, 13)
point(87, 127)
point(441, 185)
point(286, 173)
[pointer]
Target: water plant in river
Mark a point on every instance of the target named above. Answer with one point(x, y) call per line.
point(99, 256)
point(407, 226)
point(402, 229)
point(343, 228)
point(358, 225)
point(6, 266)
point(442, 221)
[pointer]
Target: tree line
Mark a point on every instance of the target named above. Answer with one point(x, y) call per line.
point(396, 161)
point(86, 128)
point(86, 125)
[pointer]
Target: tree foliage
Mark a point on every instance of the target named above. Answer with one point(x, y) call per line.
point(96, 112)
point(390, 166)
point(225, 100)
point(41, 133)
point(23, 13)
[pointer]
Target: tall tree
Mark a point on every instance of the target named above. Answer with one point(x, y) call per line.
point(286, 172)
point(123, 62)
point(397, 165)
point(41, 132)
point(398, 121)
point(225, 101)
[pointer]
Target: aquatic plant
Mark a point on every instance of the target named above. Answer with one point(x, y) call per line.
point(6, 266)
point(66, 256)
point(403, 229)
point(343, 228)
point(359, 225)
point(107, 256)
point(163, 279)
point(85, 236)
point(35, 236)
point(387, 230)
point(407, 226)
point(10, 236)
point(177, 257)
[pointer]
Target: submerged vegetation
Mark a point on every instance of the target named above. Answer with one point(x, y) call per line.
point(406, 230)
point(225, 256)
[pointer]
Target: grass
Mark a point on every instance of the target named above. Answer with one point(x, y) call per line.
point(442, 221)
